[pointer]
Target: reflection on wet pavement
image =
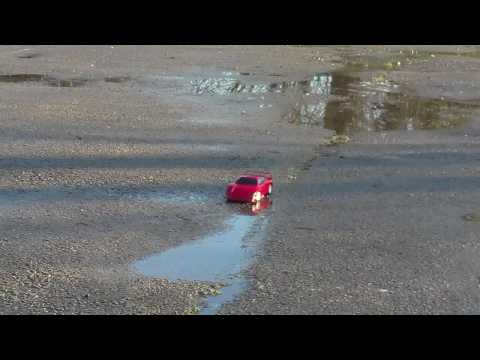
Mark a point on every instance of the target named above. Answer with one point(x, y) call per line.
point(117, 79)
point(216, 258)
point(54, 81)
point(17, 198)
point(343, 102)
point(213, 258)
point(256, 208)
point(23, 197)
point(378, 105)
point(230, 85)
point(172, 197)
point(225, 86)
point(44, 79)
point(28, 55)
point(473, 217)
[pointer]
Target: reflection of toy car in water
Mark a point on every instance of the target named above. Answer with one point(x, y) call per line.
point(261, 205)
point(255, 208)
point(250, 188)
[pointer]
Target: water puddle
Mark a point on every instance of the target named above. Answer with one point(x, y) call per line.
point(12, 199)
point(345, 102)
point(172, 197)
point(225, 86)
point(396, 60)
point(53, 81)
point(117, 79)
point(28, 55)
point(471, 217)
point(353, 105)
point(218, 258)
point(232, 85)
point(254, 209)
point(205, 148)
point(44, 79)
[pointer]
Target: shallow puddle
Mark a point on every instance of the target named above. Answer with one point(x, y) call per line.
point(472, 217)
point(53, 81)
point(219, 258)
point(376, 105)
point(17, 78)
point(10, 199)
point(27, 54)
point(19, 198)
point(232, 85)
point(344, 102)
point(44, 79)
point(117, 79)
point(173, 197)
point(213, 258)
point(22, 198)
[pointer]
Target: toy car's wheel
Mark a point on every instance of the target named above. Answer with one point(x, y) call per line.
point(269, 190)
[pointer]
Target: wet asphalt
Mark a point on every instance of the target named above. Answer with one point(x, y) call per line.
point(113, 158)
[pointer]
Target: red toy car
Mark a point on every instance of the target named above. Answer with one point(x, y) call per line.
point(250, 188)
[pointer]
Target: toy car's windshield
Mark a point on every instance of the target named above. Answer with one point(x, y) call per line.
point(246, 181)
